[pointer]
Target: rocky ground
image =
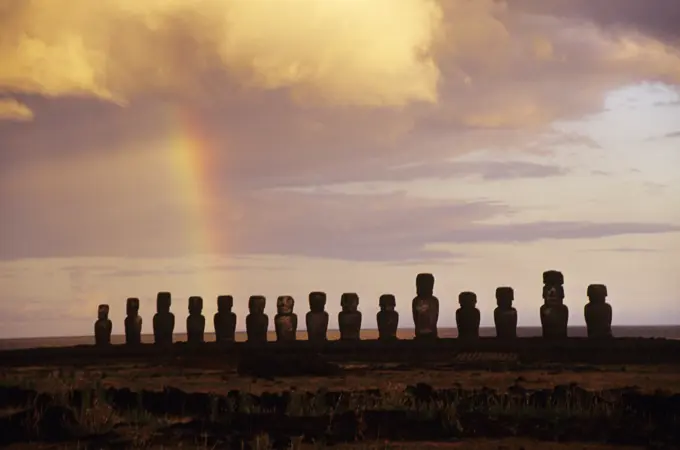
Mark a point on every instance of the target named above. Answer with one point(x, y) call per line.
point(476, 400)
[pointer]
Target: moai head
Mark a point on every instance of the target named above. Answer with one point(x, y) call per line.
point(284, 304)
point(163, 302)
point(195, 304)
point(349, 301)
point(256, 304)
point(132, 306)
point(467, 300)
point(504, 297)
point(424, 284)
point(597, 293)
point(553, 290)
point(103, 312)
point(317, 301)
point(225, 303)
point(387, 302)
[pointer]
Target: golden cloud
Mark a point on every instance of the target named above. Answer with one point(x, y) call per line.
point(350, 52)
point(11, 109)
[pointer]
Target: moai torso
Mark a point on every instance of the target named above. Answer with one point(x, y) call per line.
point(388, 318)
point(163, 320)
point(598, 312)
point(467, 316)
point(349, 319)
point(133, 322)
point(225, 319)
point(554, 313)
point(195, 321)
point(285, 321)
point(505, 316)
point(425, 307)
point(103, 326)
point(317, 318)
point(257, 321)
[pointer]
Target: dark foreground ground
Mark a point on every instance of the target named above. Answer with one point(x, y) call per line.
point(483, 395)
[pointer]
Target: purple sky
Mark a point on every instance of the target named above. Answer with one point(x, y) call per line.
point(339, 148)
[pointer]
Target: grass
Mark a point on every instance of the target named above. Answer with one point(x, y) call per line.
point(454, 413)
point(307, 399)
point(224, 379)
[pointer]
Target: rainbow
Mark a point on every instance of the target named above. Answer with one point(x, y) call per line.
point(193, 158)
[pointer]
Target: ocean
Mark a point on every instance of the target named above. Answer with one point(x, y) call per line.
point(666, 332)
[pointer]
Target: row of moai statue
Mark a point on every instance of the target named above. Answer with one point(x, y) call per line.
point(425, 309)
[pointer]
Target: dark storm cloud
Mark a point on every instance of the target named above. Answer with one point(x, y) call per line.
point(657, 18)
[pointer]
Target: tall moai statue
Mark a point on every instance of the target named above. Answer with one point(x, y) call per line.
point(468, 316)
point(133, 322)
point(505, 316)
point(349, 319)
point(554, 313)
point(598, 312)
point(425, 307)
point(285, 321)
point(317, 318)
point(257, 322)
point(388, 318)
point(225, 319)
point(195, 321)
point(163, 320)
point(103, 326)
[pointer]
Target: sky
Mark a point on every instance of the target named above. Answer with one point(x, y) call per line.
point(279, 147)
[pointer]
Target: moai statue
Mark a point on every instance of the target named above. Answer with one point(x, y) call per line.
point(349, 319)
point(317, 318)
point(163, 320)
point(195, 321)
point(468, 316)
point(133, 322)
point(598, 312)
point(103, 326)
point(388, 318)
point(425, 307)
point(257, 321)
point(554, 313)
point(505, 316)
point(225, 319)
point(285, 321)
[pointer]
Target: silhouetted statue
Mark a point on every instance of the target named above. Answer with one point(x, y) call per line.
point(225, 319)
point(163, 320)
point(388, 318)
point(505, 316)
point(195, 321)
point(133, 322)
point(598, 312)
point(349, 319)
point(425, 307)
point(285, 321)
point(468, 316)
point(554, 313)
point(257, 321)
point(103, 326)
point(317, 318)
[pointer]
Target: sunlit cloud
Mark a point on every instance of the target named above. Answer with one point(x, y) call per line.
point(11, 109)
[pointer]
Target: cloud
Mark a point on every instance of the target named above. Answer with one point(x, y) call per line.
point(659, 20)
point(627, 250)
point(535, 231)
point(674, 134)
point(348, 52)
point(11, 109)
point(366, 227)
